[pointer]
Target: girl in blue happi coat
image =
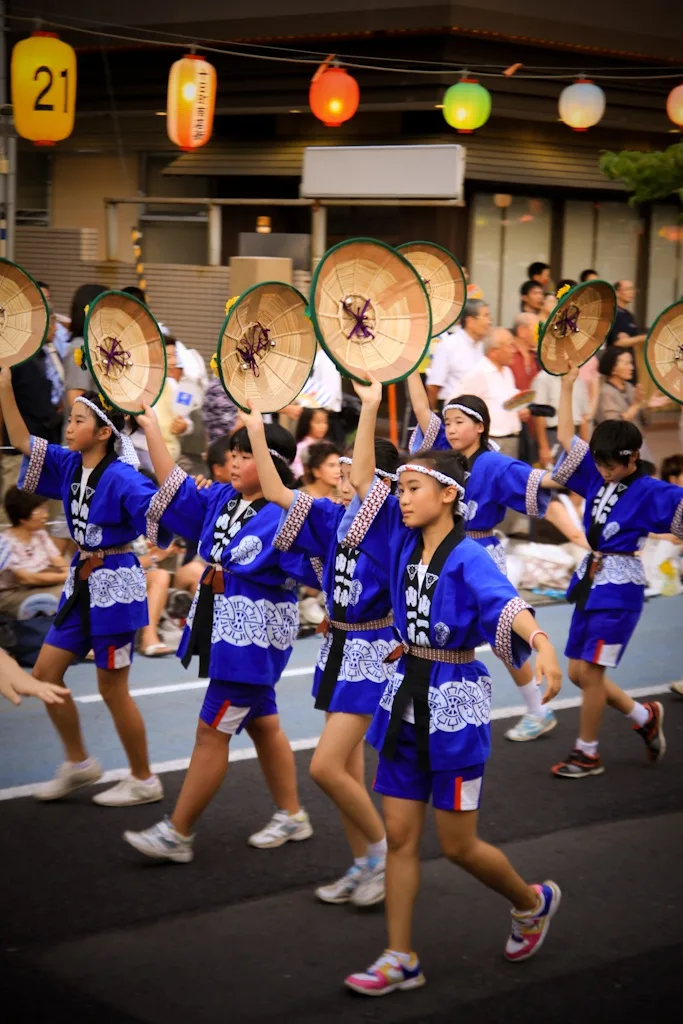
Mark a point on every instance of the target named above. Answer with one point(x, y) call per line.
point(495, 483)
point(432, 724)
point(351, 671)
point(242, 624)
point(623, 505)
point(104, 601)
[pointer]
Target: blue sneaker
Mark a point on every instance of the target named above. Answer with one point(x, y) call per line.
point(530, 727)
point(387, 974)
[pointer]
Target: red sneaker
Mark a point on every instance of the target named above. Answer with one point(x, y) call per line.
point(578, 765)
point(652, 732)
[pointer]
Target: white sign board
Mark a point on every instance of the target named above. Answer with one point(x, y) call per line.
point(383, 172)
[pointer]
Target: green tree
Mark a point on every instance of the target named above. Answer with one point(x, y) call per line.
point(647, 175)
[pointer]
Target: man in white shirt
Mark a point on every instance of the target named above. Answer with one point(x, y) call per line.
point(458, 352)
point(547, 388)
point(492, 380)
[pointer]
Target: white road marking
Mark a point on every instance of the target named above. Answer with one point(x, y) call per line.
point(249, 753)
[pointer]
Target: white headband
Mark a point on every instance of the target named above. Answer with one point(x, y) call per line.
point(276, 455)
point(470, 412)
point(123, 445)
point(447, 481)
point(344, 460)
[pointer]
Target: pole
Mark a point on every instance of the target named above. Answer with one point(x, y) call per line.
point(3, 144)
point(215, 235)
point(11, 194)
point(318, 234)
point(111, 229)
point(393, 421)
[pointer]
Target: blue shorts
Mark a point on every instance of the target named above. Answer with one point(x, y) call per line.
point(228, 707)
point(112, 651)
point(457, 790)
point(600, 637)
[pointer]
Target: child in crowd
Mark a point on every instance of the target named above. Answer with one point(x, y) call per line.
point(312, 426)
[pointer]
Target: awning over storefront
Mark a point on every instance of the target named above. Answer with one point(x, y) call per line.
point(529, 157)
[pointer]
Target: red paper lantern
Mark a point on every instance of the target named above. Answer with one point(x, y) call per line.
point(333, 96)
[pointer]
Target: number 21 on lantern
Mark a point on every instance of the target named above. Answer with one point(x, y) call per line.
point(43, 88)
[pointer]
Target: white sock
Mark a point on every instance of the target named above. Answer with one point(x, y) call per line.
point(587, 748)
point(378, 849)
point(80, 765)
point(360, 862)
point(150, 781)
point(639, 714)
point(531, 692)
point(404, 958)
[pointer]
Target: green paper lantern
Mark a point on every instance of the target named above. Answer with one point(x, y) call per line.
point(467, 105)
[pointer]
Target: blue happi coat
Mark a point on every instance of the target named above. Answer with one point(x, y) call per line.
point(617, 519)
point(494, 484)
point(356, 590)
point(255, 618)
point(469, 603)
point(111, 515)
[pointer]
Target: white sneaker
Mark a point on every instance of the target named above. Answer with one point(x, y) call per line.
point(343, 889)
point(131, 791)
point(530, 727)
point(282, 827)
point(371, 887)
point(70, 776)
point(162, 842)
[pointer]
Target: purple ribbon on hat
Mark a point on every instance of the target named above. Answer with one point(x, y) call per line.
point(568, 322)
point(115, 355)
point(256, 341)
point(360, 326)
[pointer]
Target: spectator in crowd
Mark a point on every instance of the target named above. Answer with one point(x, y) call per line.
point(162, 573)
point(547, 388)
point(219, 413)
point(322, 390)
point(61, 333)
point(311, 427)
point(549, 303)
point(619, 398)
point(78, 379)
point(588, 275)
point(625, 332)
point(532, 297)
point(539, 272)
point(566, 282)
point(33, 393)
point(458, 352)
point(672, 470)
point(473, 290)
point(524, 363)
point(136, 292)
point(323, 471)
point(34, 565)
point(218, 459)
point(492, 381)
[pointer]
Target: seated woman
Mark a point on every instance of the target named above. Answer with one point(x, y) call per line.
point(34, 566)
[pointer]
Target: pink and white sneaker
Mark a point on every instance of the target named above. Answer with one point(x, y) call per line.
point(529, 929)
point(387, 974)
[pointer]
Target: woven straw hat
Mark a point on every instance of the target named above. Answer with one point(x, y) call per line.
point(124, 351)
point(443, 278)
point(266, 347)
point(577, 327)
point(370, 310)
point(24, 315)
point(664, 351)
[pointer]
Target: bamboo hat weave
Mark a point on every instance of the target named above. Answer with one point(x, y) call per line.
point(124, 351)
point(266, 347)
point(577, 326)
point(370, 310)
point(24, 315)
point(443, 278)
point(664, 351)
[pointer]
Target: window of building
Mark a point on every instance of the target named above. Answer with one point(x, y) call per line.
point(665, 280)
point(602, 235)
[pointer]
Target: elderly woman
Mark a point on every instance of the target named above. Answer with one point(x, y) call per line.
point(618, 398)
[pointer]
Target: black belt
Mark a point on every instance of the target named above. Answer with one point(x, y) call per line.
point(331, 671)
point(202, 624)
point(80, 596)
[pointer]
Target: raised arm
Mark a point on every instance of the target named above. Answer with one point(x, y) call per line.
point(565, 413)
point(272, 486)
point(419, 400)
point(162, 460)
point(363, 468)
point(16, 428)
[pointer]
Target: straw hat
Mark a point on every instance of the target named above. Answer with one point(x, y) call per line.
point(124, 351)
point(577, 326)
point(24, 315)
point(370, 310)
point(443, 278)
point(664, 351)
point(266, 347)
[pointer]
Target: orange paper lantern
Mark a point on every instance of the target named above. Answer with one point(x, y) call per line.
point(191, 102)
point(674, 105)
point(334, 96)
point(43, 88)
